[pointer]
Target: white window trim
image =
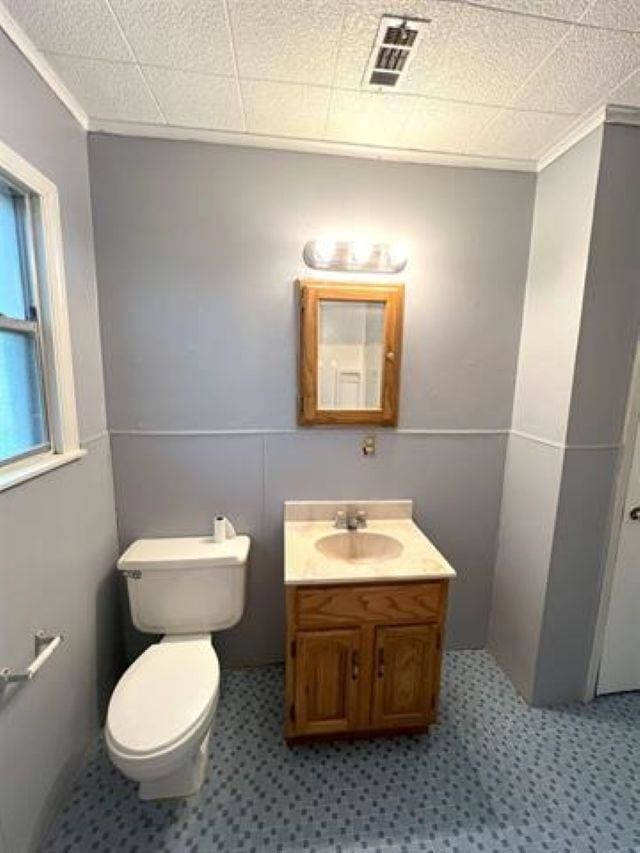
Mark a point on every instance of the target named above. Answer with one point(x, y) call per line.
point(52, 295)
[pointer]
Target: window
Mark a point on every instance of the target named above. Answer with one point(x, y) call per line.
point(38, 423)
point(23, 420)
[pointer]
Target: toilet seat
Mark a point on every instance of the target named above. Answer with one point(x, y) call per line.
point(163, 705)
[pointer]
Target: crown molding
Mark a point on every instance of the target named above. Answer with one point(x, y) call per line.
point(608, 114)
point(27, 48)
point(619, 114)
point(308, 146)
point(584, 125)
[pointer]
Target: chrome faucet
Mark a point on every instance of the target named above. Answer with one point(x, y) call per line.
point(351, 519)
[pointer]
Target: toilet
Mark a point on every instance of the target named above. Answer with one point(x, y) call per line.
point(161, 712)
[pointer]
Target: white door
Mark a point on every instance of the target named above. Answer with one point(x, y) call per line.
point(620, 663)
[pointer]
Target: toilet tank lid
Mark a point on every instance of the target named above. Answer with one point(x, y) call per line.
point(184, 552)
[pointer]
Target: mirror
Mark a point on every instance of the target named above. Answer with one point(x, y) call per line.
point(350, 353)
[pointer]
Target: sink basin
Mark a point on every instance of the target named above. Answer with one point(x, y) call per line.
point(359, 546)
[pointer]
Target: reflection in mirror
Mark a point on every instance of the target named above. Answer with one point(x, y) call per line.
point(350, 354)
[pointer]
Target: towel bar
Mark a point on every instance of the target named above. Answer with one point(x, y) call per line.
point(45, 645)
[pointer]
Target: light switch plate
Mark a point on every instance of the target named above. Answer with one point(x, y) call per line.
point(369, 445)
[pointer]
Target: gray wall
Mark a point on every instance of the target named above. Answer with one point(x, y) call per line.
point(197, 248)
point(609, 329)
point(57, 532)
point(581, 322)
point(532, 477)
point(611, 311)
point(560, 240)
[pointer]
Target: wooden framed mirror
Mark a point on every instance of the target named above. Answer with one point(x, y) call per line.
point(350, 347)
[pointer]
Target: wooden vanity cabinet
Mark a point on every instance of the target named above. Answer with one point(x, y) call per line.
point(363, 658)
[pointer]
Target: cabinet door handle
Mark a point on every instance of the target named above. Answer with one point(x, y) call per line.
point(381, 663)
point(355, 665)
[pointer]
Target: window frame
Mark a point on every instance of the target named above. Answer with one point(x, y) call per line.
point(44, 256)
point(31, 326)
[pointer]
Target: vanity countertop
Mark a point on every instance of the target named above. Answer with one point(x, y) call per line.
point(417, 557)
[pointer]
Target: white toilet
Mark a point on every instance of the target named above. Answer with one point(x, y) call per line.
point(162, 709)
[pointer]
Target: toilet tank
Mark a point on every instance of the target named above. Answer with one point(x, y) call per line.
point(186, 585)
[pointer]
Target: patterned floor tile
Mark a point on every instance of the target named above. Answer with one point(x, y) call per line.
point(494, 775)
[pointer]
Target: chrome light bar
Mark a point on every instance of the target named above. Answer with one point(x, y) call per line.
point(355, 256)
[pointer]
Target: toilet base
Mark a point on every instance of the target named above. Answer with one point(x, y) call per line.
point(187, 780)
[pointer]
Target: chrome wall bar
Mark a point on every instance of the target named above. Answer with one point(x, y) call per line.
point(45, 645)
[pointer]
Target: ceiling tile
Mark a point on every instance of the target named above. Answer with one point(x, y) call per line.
point(107, 90)
point(490, 54)
point(628, 94)
point(196, 100)
point(76, 27)
point(285, 109)
point(623, 14)
point(564, 10)
point(288, 40)
point(474, 56)
point(368, 118)
point(580, 74)
point(521, 135)
point(361, 25)
point(444, 125)
point(187, 34)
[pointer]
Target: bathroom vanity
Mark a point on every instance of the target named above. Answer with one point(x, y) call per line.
point(365, 618)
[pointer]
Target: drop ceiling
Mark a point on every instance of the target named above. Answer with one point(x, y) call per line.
point(502, 79)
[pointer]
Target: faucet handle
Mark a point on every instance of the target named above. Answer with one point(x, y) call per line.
point(341, 518)
point(361, 518)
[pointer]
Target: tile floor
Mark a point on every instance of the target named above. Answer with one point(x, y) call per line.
point(495, 775)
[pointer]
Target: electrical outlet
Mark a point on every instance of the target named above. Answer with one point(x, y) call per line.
point(369, 445)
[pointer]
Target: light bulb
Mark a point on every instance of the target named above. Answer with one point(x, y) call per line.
point(361, 251)
point(325, 249)
point(398, 254)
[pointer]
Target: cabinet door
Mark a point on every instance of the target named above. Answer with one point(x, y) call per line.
point(327, 681)
point(404, 676)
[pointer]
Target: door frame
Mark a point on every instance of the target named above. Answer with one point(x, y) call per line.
point(625, 458)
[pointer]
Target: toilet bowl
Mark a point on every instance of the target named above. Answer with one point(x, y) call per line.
point(161, 712)
point(160, 716)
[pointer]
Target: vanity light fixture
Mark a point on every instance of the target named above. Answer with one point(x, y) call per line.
point(355, 256)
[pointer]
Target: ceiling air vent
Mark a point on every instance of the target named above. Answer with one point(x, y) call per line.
point(395, 45)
